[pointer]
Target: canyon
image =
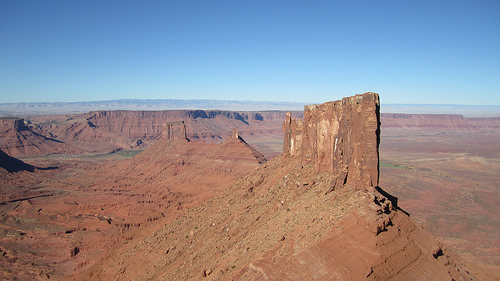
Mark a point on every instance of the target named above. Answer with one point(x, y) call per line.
point(122, 195)
point(108, 131)
point(58, 230)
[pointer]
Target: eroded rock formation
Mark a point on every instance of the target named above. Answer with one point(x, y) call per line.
point(11, 123)
point(106, 131)
point(174, 131)
point(236, 138)
point(17, 139)
point(235, 135)
point(340, 137)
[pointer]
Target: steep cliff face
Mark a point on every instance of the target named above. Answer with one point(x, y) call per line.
point(236, 138)
point(105, 131)
point(17, 139)
point(174, 131)
point(11, 124)
point(341, 137)
point(200, 124)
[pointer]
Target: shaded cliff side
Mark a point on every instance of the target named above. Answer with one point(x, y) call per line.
point(12, 165)
point(17, 139)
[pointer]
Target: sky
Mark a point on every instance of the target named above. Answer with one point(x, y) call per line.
point(411, 52)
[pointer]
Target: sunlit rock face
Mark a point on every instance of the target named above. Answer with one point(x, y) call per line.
point(341, 137)
point(174, 131)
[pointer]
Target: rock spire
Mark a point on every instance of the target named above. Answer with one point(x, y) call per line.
point(341, 137)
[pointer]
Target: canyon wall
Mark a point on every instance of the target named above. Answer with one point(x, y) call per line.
point(200, 124)
point(341, 137)
point(17, 139)
point(106, 131)
point(126, 127)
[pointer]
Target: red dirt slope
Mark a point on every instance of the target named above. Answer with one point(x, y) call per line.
point(65, 223)
point(278, 223)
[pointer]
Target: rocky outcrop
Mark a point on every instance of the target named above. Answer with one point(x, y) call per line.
point(18, 139)
point(341, 137)
point(106, 131)
point(236, 138)
point(174, 131)
point(11, 123)
point(235, 135)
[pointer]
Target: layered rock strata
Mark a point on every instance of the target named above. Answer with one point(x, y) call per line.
point(341, 137)
point(17, 139)
point(11, 123)
point(174, 131)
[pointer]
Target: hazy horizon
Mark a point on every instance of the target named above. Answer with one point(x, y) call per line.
point(48, 108)
point(225, 100)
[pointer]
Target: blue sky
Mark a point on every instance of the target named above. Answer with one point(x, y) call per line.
point(425, 52)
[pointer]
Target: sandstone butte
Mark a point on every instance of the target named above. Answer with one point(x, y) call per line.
point(314, 213)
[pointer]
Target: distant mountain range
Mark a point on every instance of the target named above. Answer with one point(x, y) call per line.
point(43, 108)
